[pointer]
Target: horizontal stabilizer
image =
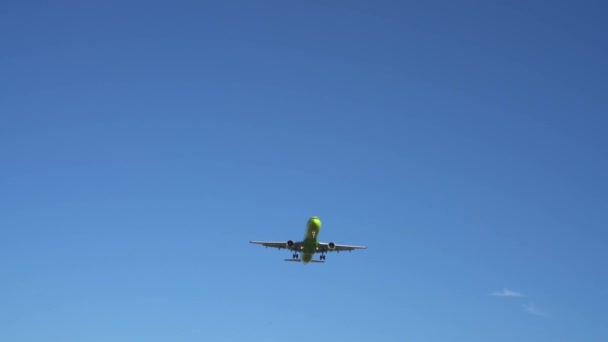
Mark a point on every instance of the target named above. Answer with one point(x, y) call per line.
point(298, 260)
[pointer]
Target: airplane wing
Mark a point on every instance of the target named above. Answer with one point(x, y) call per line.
point(279, 244)
point(325, 247)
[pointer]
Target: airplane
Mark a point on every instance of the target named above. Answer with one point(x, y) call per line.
point(310, 245)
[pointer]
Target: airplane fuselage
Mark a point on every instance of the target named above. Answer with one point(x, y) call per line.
point(311, 239)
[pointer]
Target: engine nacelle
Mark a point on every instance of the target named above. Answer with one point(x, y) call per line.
point(289, 243)
point(331, 245)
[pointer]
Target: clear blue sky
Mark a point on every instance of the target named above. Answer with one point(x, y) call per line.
point(144, 144)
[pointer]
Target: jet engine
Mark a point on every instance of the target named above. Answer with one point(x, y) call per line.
point(331, 245)
point(289, 243)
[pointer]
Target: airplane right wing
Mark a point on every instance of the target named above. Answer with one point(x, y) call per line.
point(280, 244)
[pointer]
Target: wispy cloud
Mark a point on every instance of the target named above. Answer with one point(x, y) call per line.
point(534, 310)
point(507, 293)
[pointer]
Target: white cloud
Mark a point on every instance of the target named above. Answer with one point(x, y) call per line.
point(534, 310)
point(507, 293)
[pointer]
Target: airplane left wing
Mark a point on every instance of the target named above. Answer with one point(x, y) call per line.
point(334, 247)
point(279, 244)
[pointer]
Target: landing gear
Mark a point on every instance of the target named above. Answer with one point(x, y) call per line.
point(295, 255)
point(322, 257)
